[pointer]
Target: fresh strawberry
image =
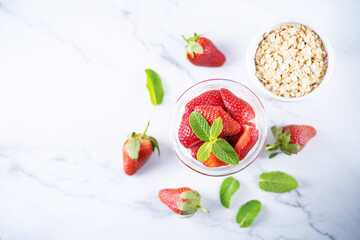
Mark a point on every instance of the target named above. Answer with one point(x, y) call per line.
point(211, 161)
point(211, 113)
point(212, 97)
point(202, 52)
point(137, 150)
point(246, 142)
point(186, 135)
point(239, 109)
point(291, 139)
point(183, 201)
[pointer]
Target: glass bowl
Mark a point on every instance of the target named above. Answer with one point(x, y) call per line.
point(258, 37)
point(239, 90)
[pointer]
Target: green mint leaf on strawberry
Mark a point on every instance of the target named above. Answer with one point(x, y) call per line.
point(133, 148)
point(228, 188)
point(154, 85)
point(248, 213)
point(216, 128)
point(225, 152)
point(277, 182)
point(200, 126)
point(204, 151)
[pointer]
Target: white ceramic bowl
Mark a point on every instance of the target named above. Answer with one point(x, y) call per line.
point(253, 46)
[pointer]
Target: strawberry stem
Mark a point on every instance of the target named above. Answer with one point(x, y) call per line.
point(185, 39)
point(204, 209)
point(272, 147)
point(146, 129)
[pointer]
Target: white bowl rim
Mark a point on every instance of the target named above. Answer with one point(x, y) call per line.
point(254, 43)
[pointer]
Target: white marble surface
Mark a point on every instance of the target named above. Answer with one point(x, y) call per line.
point(72, 86)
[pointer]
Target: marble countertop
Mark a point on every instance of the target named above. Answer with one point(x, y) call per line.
point(72, 86)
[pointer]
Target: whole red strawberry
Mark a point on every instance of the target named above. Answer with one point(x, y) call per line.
point(212, 97)
point(239, 109)
point(291, 139)
point(247, 140)
point(137, 150)
point(211, 113)
point(183, 201)
point(202, 52)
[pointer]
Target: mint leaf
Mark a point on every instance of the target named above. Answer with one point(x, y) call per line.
point(277, 182)
point(216, 128)
point(228, 188)
point(154, 86)
point(204, 151)
point(225, 152)
point(133, 148)
point(248, 213)
point(200, 126)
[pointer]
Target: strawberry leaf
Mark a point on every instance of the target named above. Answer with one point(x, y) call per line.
point(277, 182)
point(186, 208)
point(133, 148)
point(216, 128)
point(200, 126)
point(204, 151)
point(155, 144)
point(293, 148)
point(154, 86)
point(248, 213)
point(228, 188)
point(225, 152)
point(273, 155)
point(194, 47)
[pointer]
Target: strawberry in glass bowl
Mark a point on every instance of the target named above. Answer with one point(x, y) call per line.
point(218, 127)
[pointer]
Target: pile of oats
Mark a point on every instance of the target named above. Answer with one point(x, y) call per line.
point(291, 60)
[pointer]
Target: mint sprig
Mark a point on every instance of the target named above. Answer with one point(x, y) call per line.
point(221, 148)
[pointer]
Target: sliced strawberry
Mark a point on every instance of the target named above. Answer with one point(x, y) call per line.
point(246, 142)
point(232, 140)
point(251, 124)
point(186, 135)
point(211, 113)
point(211, 161)
point(212, 97)
point(239, 109)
